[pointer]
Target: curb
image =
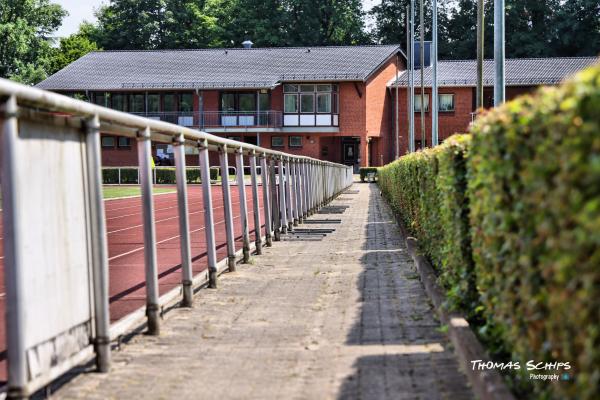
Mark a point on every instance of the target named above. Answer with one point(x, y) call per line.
point(488, 384)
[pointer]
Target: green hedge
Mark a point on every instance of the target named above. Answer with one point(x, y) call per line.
point(110, 176)
point(534, 187)
point(516, 230)
point(367, 170)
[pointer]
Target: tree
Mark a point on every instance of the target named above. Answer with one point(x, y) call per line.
point(154, 24)
point(71, 48)
point(25, 28)
point(577, 26)
point(325, 22)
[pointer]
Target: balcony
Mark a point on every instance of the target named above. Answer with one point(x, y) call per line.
point(221, 120)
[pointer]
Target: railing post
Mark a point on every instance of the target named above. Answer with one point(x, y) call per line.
point(290, 200)
point(144, 154)
point(13, 263)
point(298, 172)
point(274, 201)
point(294, 190)
point(119, 174)
point(223, 156)
point(209, 220)
point(282, 207)
point(305, 180)
point(100, 249)
point(255, 204)
point(239, 156)
point(184, 224)
point(264, 171)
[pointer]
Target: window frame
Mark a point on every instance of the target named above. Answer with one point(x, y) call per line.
point(453, 102)
point(415, 102)
point(109, 137)
point(295, 146)
point(273, 145)
point(123, 146)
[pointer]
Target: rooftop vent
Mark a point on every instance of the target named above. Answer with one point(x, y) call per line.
point(247, 44)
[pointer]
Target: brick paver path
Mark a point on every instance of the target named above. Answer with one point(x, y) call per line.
point(343, 317)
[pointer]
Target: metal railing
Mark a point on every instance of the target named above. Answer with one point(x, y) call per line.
point(220, 119)
point(55, 237)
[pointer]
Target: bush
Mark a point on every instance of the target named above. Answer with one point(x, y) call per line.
point(534, 188)
point(165, 176)
point(367, 170)
point(515, 236)
point(193, 175)
point(110, 176)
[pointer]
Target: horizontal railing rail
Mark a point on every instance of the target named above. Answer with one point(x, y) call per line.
point(219, 119)
point(54, 224)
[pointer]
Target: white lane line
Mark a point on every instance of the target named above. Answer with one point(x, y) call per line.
point(157, 209)
point(173, 237)
point(165, 219)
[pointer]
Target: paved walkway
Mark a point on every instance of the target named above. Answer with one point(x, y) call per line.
point(344, 317)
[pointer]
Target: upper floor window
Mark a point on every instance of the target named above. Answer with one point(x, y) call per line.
point(446, 102)
point(417, 103)
point(310, 98)
point(248, 102)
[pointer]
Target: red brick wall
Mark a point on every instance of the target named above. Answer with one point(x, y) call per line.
point(377, 102)
point(352, 109)
point(448, 122)
point(210, 100)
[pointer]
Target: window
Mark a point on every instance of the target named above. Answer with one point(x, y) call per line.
point(324, 103)
point(295, 141)
point(108, 141)
point(123, 142)
point(417, 102)
point(100, 99)
point(446, 102)
point(289, 88)
point(276, 141)
point(136, 103)
point(307, 88)
point(247, 102)
point(186, 102)
point(169, 102)
point(291, 103)
point(153, 102)
point(228, 102)
point(118, 102)
point(307, 103)
point(264, 101)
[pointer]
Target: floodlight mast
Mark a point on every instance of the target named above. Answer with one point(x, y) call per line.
point(499, 52)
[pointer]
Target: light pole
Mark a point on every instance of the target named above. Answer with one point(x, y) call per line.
point(480, 38)
point(499, 52)
point(421, 66)
point(434, 83)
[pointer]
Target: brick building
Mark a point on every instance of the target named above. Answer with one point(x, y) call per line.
point(325, 102)
point(456, 88)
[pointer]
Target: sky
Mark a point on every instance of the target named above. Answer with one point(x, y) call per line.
point(83, 10)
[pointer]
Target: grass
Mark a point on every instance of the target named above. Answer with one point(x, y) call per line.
point(115, 192)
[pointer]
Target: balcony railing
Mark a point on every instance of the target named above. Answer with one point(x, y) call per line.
point(220, 119)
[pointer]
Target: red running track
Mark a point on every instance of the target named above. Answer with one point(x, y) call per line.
point(124, 225)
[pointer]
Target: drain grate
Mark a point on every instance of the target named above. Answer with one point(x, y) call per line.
point(322, 221)
point(333, 210)
point(344, 198)
point(304, 234)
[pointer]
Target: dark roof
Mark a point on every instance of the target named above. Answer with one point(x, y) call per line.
point(218, 68)
point(518, 71)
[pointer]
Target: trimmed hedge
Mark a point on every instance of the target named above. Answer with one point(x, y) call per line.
point(534, 187)
point(367, 170)
point(510, 218)
point(110, 176)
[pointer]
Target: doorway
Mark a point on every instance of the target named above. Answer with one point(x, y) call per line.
point(350, 152)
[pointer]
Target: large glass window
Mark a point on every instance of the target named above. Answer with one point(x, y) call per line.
point(291, 103)
point(307, 103)
point(169, 102)
point(324, 103)
point(118, 102)
point(136, 103)
point(446, 102)
point(310, 98)
point(100, 99)
point(228, 102)
point(417, 102)
point(247, 102)
point(153, 102)
point(264, 101)
point(186, 102)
